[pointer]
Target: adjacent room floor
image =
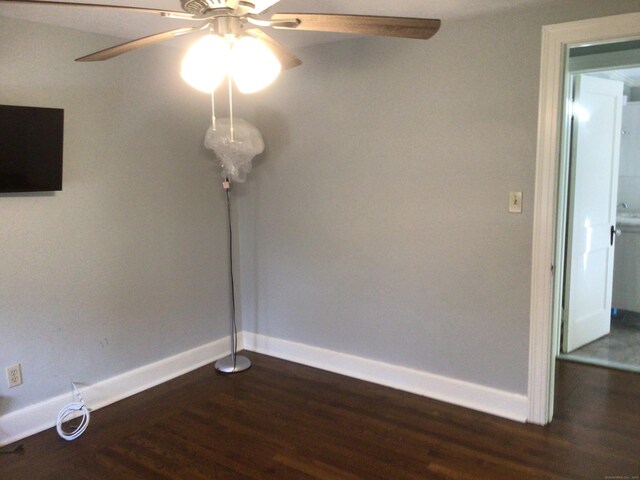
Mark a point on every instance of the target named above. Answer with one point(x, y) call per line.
point(281, 420)
point(619, 349)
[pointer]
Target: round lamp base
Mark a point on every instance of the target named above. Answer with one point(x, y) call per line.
point(226, 364)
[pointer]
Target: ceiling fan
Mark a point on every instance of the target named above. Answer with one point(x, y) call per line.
point(243, 17)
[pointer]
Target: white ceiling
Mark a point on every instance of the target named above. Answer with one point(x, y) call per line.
point(129, 25)
point(630, 76)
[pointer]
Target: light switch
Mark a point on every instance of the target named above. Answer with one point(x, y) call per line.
point(515, 202)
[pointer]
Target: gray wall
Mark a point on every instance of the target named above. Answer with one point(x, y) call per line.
point(376, 224)
point(127, 265)
point(634, 94)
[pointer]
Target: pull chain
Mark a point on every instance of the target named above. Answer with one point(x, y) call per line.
point(213, 110)
point(230, 108)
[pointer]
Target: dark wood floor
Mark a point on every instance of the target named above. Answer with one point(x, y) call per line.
point(285, 421)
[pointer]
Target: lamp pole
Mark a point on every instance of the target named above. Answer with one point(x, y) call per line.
point(232, 363)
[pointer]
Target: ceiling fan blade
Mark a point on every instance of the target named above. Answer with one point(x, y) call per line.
point(111, 52)
point(286, 58)
point(98, 5)
point(420, 28)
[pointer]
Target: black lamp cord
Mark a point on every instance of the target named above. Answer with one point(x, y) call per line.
point(10, 449)
point(234, 328)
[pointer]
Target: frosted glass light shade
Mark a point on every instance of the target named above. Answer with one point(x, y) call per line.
point(253, 65)
point(206, 63)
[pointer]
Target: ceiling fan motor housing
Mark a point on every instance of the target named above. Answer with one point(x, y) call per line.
point(196, 6)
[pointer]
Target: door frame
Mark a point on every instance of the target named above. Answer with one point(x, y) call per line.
point(545, 310)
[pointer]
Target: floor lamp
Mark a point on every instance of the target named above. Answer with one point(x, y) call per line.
point(235, 142)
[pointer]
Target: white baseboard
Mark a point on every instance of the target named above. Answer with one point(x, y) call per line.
point(41, 416)
point(470, 395)
point(30, 420)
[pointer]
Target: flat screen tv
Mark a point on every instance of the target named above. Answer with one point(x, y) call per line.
point(31, 149)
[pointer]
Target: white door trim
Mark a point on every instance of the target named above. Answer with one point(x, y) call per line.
point(544, 314)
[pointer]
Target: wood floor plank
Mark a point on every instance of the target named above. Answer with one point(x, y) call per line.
point(285, 421)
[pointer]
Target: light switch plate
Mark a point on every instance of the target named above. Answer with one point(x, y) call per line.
point(515, 202)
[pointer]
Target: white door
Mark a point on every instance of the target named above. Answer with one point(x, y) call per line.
point(595, 152)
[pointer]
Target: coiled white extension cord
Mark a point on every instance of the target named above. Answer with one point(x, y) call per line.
point(72, 409)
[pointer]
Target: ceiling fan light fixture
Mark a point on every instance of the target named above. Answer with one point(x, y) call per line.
point(249, 62)
point(253, 65)
point(206, 63)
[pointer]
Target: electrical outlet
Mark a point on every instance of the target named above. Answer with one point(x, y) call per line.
point(14, 375)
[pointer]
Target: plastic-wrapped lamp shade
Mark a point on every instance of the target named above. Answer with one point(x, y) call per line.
point(253, 65)
point(206, 63)
point(235, 156)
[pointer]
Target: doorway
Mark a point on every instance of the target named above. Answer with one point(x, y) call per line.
point(600, 323)
point(545, 288)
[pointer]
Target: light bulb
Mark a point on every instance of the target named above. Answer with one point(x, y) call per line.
point(253, 65)
point(206, 63)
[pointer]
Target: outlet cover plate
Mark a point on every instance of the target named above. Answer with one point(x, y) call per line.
point(14, 375)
